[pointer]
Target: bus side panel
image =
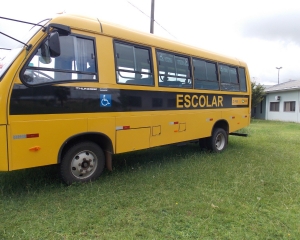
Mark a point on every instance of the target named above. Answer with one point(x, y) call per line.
point(173, 128)
point(37, 143)
point(3, 149)
point(104, 125)
point(245, 118)
point(237, 118)
point(203, 122)
point(132, 139)
point(136, 133)
point(183, 127)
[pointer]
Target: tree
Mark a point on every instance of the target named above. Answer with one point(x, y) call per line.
point(258, 94)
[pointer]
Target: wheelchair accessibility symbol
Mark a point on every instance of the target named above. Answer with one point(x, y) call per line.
point(105, 100)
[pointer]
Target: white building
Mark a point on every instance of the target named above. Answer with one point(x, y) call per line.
point(281, 103)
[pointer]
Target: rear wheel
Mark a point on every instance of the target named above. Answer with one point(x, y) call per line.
point(218, 140)
point(82, 162)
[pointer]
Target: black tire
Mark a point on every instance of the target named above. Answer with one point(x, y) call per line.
point(218, 141)
point(82, 162)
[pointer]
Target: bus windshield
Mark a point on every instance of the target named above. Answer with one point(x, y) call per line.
point(11, 46)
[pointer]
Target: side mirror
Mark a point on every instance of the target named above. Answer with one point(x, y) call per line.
point(54, 44)
point(45, 57)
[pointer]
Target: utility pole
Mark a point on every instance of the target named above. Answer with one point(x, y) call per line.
point(152, 17)
point(278, 68)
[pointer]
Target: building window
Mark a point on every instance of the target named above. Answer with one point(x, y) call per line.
point(274, 106)
point(290, 106)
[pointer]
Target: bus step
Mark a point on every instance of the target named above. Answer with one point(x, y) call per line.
point(239, 134)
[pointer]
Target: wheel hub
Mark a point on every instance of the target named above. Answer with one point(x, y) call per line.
point(220, 141)
point(86, 163)
point(83, 164)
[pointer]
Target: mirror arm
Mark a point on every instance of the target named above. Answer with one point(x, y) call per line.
point(61, 29)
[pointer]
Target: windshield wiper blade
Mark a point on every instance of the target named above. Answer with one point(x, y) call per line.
point(28, 46)
point(5, 48)
point(15, 20)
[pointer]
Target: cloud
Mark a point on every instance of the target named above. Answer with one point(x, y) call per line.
point(283, 27)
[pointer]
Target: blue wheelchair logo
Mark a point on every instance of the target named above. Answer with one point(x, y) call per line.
point(105, 100)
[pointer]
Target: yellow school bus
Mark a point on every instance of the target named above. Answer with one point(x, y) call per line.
point(76, 90)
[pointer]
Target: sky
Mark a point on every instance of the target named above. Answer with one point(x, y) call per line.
point(263, 33)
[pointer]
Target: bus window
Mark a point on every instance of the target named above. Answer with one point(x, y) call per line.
point(242, 79)
point(205, 75)
point(133, 64)
point(229, 78)
point(174, 70)
point(76, 62)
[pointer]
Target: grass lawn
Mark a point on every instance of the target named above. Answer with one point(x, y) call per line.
point(250, 191)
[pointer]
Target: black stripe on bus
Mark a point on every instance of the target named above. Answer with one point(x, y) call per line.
point(60, 99)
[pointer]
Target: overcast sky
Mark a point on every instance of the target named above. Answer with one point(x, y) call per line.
point(263, 33)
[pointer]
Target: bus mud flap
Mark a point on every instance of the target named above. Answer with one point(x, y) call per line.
point(108, 160)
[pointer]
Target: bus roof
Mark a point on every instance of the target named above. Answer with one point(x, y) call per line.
point(94, 25)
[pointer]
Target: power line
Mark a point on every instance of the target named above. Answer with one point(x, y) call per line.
point(138, 9)
point(150, 18)
point(165, 29)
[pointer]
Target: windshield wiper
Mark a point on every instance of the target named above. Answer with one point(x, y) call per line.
point(27, 46)
point(15, 20)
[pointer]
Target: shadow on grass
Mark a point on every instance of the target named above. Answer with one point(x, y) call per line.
point(155, 156)
point(21, 182)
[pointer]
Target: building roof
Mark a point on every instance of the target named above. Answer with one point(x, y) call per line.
point(267, 86)
point(286, 86)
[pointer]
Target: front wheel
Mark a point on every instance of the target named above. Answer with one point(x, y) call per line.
point(82, 162)
point(218, 140)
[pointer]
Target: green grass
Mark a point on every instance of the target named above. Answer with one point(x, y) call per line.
point(251, 191)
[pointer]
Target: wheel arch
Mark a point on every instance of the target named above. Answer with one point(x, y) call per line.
point(102, 140)
point(221, 124)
